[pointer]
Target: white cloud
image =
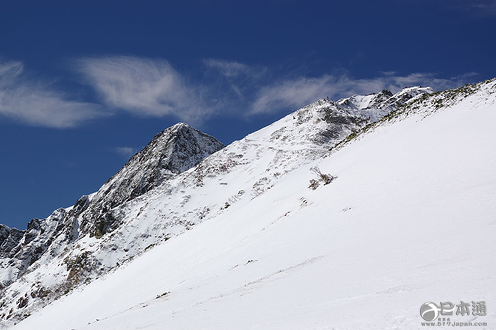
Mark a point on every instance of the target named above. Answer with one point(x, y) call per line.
point(234, 82)
point(143, 86)
point(34, 102)
point(486, 7)
point(152, 87)
point(394, 82)
point(473, 9)
point(229, 68)
point(477, 8)
point(126, 151)
point(10, 69)
point(290, 94)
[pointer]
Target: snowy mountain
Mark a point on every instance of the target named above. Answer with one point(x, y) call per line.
point(274, 244)
point(171, 152)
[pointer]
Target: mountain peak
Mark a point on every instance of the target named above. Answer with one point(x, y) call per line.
point(172, 151)
point(178, 148)
point(180, 125)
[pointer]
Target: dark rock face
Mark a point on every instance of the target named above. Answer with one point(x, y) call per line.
point(4, 233)
point(9, 240)
point(21, 248)
point(381, 98)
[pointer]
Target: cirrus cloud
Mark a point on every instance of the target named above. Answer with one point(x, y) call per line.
point(229, 68)
point(290, 93)
point(154, 88)
point(297, 92)
point(126, 152)
point(144, 86)
point(35, 102)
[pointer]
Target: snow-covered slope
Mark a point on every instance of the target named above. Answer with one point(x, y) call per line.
point(274, 253)
point(154, 197)
point(409, 218)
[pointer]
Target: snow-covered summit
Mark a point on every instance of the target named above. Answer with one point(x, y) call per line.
point(375, 106)
point(170, 152)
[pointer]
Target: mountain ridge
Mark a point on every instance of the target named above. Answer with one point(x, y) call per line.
point(298, 138)
point(408, 218)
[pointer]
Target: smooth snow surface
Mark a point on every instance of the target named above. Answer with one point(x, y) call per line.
point(410, 218)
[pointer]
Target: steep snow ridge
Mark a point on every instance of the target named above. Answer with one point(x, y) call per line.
point(148, 202)
point(409, 219)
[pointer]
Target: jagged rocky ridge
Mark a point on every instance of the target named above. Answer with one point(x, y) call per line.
point(127, 215)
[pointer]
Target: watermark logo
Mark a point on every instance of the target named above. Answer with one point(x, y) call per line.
point(430, 312)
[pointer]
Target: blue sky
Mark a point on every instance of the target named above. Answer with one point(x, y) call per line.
point(84, 85)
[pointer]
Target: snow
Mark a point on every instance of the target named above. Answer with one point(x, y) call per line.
point(360, 101)
point(409, 219)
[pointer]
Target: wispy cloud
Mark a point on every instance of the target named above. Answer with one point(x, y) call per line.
point(297, 92)
point(126, 152)
point(291, 93)
point(10, 69)
point(394, 82)
point(144, 86)
point(257, 92)
point(229, 68)
point(35, 102)
point(153, 88)
point(234, 82)
point(473, 9)
point(485, 7)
